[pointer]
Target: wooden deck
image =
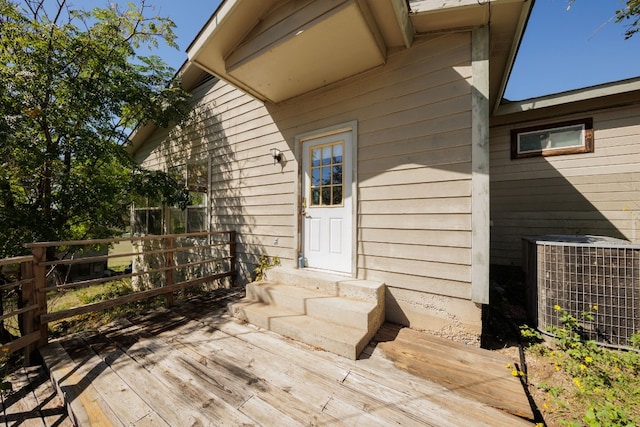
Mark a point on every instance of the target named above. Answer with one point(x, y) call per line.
point(32, 402)
point(194, 366)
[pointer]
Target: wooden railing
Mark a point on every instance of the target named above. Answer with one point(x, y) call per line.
point(27, 308)
point(160, 265)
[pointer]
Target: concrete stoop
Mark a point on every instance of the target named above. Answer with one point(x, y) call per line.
point(328, 311)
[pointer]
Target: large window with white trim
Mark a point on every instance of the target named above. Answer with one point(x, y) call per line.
point(147, 217)
point(151, 217)
point(195, 177)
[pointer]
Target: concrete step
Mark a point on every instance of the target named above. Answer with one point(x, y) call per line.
point(343, 340)
point(365, 315)
point(330, 284)
point(324, 310)
point(352, 312)
point(291, 297)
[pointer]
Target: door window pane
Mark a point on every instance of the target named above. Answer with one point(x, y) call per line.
point(315, 177)
point(315, 157)
point(326, 174)
point(326, 155)
point(326, 196)
point(337, 195)
point(315, 196)
point(337, 153)
point(336, 177)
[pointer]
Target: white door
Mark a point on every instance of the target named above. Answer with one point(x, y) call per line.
point(327, 202)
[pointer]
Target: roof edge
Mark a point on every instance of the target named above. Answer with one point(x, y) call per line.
point(575, 95)
point(522, 27)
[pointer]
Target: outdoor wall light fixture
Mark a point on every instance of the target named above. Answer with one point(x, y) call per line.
point(277, 156)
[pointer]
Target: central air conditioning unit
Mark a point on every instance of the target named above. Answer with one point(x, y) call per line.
point(581, 274)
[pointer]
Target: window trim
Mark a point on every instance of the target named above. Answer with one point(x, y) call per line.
point(587, 147)
point(331, 185)
point(185, 175)
point(166, 211)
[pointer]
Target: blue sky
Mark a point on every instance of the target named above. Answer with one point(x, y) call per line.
point(570, 49)
point(562, 49)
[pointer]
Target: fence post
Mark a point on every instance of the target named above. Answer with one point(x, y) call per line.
point(39, 283)
point(168, 275)
point(28, 297)
point(232, 258)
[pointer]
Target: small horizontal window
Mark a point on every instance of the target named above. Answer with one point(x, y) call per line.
point(559, 138)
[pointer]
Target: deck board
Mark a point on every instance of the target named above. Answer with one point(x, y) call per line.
point(49, 403)
point(162, 360)
point(32, 401)
point(471, 372)
point(193, 365)
point(22, 408)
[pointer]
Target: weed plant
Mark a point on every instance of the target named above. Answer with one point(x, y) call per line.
point(604, 386)
point(264, 263)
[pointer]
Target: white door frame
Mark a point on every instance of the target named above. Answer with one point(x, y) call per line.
point(351, 127)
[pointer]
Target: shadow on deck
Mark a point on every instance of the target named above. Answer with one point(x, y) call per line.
point(194, 365)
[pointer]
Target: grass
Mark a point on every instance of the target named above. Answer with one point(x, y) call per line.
point(63, 300)
point(118, 264)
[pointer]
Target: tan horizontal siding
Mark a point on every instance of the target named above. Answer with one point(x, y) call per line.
point(441, 173)
point(438, 238)
point(416, 145)
point(241, 177)
point(413, 173)
point(424, 190)
point(269, 226)
point(254, 210)
point(448, 255)
point(230, 200)
point(455, 205)
point(399, 221)
point(273, 190)
point(431, 158)
point(593, 193)
point(419, 283)
point(433, 270)
point(454, 121)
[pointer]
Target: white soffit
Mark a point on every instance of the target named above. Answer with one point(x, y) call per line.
point(305, 46)
point(333, 47)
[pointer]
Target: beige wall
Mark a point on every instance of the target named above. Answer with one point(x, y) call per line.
point(593, 193)
point(413, 175)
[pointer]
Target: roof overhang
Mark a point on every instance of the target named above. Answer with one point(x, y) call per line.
point(276, 50)
point(608, 95)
